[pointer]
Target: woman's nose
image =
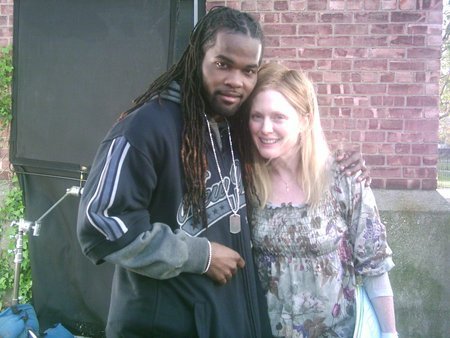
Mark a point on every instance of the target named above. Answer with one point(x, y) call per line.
point(266, 126)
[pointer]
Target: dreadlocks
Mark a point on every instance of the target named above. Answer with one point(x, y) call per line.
point(188, 73)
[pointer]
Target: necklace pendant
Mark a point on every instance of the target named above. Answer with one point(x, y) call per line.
point(235, 223)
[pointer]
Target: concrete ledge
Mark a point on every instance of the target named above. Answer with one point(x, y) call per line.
point(411, 200)
point(418, 229)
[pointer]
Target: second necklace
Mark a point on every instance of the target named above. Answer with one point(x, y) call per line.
point(235, 218)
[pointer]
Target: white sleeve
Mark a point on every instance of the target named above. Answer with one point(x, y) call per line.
point(378, 286)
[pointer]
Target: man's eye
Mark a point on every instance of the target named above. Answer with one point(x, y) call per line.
point(221, 65)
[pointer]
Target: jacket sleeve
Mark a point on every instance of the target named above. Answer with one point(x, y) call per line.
point(114, 223)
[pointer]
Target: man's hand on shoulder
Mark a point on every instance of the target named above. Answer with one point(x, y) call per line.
point(351, 162)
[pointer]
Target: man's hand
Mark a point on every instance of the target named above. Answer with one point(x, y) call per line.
point(224, 263)
point(351, 162)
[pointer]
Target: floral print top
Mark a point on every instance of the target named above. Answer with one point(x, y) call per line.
point(308, 259)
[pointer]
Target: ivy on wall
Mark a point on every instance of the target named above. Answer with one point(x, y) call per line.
point(11, 208)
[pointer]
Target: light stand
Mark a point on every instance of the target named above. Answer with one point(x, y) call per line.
point(24, 226)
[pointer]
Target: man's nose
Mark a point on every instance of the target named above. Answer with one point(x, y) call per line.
point(234, 79)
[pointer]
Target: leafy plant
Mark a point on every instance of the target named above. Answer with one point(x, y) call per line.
point(6, 69)
point(444, 116)
point(11, 210)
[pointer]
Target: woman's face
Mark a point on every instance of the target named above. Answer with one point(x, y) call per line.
point(275, 126)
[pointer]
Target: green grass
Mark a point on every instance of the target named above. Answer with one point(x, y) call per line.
point(443, 168)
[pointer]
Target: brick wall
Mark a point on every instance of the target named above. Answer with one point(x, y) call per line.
point(376, 66)
point(6, 34)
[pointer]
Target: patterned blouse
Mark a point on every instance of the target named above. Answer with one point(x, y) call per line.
point(308, 259)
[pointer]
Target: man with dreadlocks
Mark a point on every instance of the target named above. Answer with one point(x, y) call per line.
point(164, 200)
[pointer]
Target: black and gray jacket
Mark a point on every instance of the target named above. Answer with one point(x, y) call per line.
point(131, 214)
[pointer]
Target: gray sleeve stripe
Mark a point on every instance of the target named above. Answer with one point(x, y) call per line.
point(103, 199)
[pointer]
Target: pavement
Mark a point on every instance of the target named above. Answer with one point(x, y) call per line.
point(445, 192)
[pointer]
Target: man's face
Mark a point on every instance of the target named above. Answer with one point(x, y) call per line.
point(229, 70)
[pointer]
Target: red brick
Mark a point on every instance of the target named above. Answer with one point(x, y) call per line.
point(351, 77)
point(336, 17)
point(298, 41)
point(420, 172)
point(406, 65)
point(272, 41)
point(372, 4)
point(402, 148)
point(430, 184)
point(426, 149)
point(268, 18)
point(350, 52)
point(430, 160)
point(386, 172)
point(298, 17)
point(337, 41)
point(372, 89)
point(338, 136)
point(248, 6)
point(375, 136)
point(316, 53)
point(407, 40)
point(369, 41)
point(343, 101)
point(281, 5)
point(411, 17)
point(341, 65)
point(424, 53)
point(372, 17)
point(356, 136)
point(388, 29)
point(316, 76)
point(314, 30)
point(391, 53)
point(371, 65)
point(316, 5)
point(421, 125)
point(422, 101)
point(405, 89)
point(264, 5)
point(372, 160)
point(275, 53)
point(403, 160)
point(351, 29)
point(344, 124)
point(408, 4)
point(363, 112)
point(418, 29)
point(279, 29)
point(300, 64)
point(407, 113)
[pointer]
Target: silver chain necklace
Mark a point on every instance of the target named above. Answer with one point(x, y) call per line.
point(235, 218)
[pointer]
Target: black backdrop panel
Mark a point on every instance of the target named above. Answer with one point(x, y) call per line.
point(77, 65)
